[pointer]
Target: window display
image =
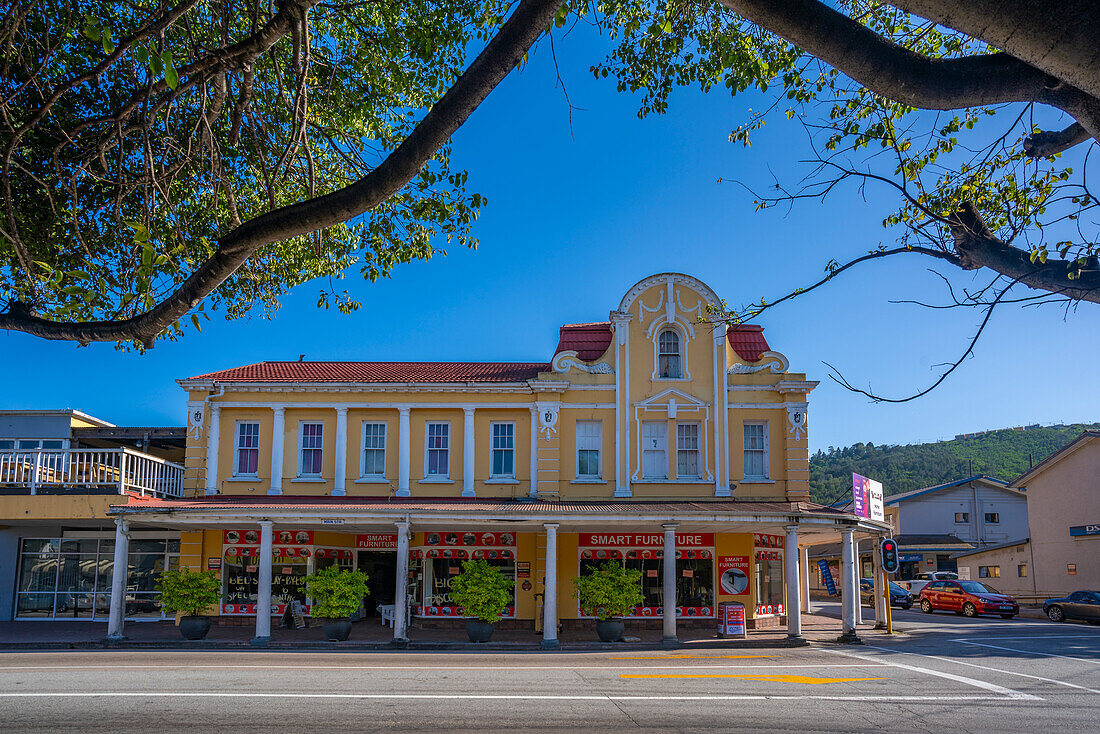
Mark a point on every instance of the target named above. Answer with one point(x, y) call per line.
point(769, 574)
point(443, 555)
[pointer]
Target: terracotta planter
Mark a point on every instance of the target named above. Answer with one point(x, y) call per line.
point(337, 630)
point(609, 630)
point(194, 628)
point(479, 631)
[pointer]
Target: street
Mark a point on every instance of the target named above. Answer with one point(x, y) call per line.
point(945, 673)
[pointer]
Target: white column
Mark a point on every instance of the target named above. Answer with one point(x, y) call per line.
point(793, 579)
point(278, 434)
point(533, 493)
point(857, 574)
point(339, 487)
point(721, 480)
point(263, 587)
point(403, 453)
point(401, 590)
point(876, 570)
point(212, 437)
point(468, 453)
point(550, 590)
point(804, 564)
point(849, 595)
point(117, 620)
point(668, 584)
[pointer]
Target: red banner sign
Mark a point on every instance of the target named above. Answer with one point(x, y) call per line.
point(733, 575)
point(644, 540)
point(762, 540)
point(376, 541)
point(280, 537)
point(468, 538)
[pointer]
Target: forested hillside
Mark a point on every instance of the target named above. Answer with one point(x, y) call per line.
point(1002, 454)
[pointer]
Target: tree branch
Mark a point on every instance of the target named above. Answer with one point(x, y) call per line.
point(1052, 142)
point(977, 247)
point(496, 60)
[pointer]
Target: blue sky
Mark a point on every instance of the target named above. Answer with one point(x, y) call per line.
point(577, 214)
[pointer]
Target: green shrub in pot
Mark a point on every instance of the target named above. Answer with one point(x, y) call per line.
point(609, 592)
point(192, 593)
point(483, 592)
point(336, 593)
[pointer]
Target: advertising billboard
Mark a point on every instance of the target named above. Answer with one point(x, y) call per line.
point(867, 498)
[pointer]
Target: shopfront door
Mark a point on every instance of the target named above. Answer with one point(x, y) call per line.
point(381, 569)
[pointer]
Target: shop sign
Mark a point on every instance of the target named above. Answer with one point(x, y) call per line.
point(733, 574)
point(377, 541)
point(634, 554)
point(282, 537)
point(523, 570)
point(645, 540)
point(827, 577)
point(681, 612)
point(731, 619)
point(213, 564)
point(1078, 531)
point(867, 498)
point(910, 558)
point(763, 540)
point(769, 610)
point(468, 538)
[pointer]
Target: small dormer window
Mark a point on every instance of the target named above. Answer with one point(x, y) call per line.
point(669, 362)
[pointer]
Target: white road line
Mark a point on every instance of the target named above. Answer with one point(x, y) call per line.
point(1038, 637)
point(421, 668)
point(993, 688)
point(500, 697)
point(993, 670)
point(1030, 652)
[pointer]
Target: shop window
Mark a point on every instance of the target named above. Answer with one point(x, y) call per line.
point(961, 517)
point(687, 450)
point(310, 448)
point(694, 579)
point(769, 582)
point(669, 359)
point(1021, 570)
point(438, 446)
point(246, 443)
point(655, 449)
point(503, 450)
point(374, 450)
point(756, 449)
point(589, 443)
point(992, 518)
point(989, 572)
point(445, 569)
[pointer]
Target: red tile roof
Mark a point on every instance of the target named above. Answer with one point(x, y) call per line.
point(589, 341)
point(748, 341)
point(380, 372)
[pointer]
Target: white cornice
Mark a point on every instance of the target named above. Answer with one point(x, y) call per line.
point(543, 385)
point(797, 386)
point(366, 387)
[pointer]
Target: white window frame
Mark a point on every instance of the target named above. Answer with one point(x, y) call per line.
point(363, 448)
point(493, 449)
point(965, 518)
point(302, 448)
point(237, 447)
point(597, 439)
point(767, 451)
point(447, 449)
point(680, 341)
point(664, 475)
point(996, 518)
point(698, 450)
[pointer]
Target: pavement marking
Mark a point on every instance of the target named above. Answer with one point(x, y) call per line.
point(1029, 652)
point(694, 657)
point(808, 680)
point(1039, 637)
point(993, 688)
point(503, 697)
point(424, 668)
point(995, 670)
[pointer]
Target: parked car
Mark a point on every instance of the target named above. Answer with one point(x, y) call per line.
point(970, 598)
point(899, 596)
point(1078, 605)
point(921, 580)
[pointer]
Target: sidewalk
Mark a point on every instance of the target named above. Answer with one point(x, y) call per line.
point(369, 635)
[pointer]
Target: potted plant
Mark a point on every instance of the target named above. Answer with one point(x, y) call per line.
point(190, 592)
point(483, 592)
point(609, 592)
point(337, 593)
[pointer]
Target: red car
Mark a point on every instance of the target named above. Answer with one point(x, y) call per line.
point(970, 598)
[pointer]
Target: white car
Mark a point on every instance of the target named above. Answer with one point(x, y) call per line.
point(923, 579)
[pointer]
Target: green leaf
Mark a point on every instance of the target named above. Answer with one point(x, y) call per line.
point(171, 76)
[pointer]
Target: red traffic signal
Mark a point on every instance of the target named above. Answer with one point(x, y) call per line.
point(889, 552)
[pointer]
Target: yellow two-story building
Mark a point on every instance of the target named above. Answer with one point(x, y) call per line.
point(662, 438)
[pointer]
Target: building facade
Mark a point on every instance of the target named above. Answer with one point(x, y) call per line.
point(663, 439)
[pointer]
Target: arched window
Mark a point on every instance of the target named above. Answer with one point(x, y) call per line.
point(669, 361)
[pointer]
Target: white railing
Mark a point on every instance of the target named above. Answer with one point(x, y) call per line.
point(73, 470)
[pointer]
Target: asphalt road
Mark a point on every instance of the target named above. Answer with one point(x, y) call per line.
point(945, 673)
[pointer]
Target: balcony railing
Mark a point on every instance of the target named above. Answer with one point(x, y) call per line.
point(61, 471)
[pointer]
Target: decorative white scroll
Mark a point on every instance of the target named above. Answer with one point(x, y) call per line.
point(774, 361)
point(796, 416)
point(563, 361)
point(195, 416)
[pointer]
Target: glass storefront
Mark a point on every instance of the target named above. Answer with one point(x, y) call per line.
point(289, 567)
point(433, 566)
point(70, 578)
point(770, 591)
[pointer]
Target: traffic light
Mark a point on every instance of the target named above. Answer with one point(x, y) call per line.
point(889, 550)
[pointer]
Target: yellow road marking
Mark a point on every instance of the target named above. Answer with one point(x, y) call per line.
point(809, 680)
point(695, 657)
